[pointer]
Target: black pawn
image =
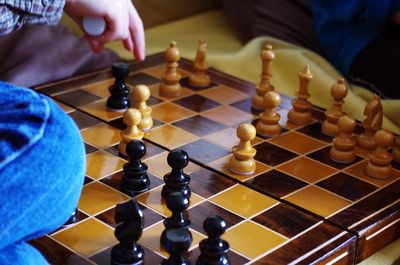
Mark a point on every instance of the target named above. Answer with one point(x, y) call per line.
point(135, 179)
point(214, 249)
point(176, 180)
point(177, 203)
point(177, 243)
point(129, 220)
point(118, 101)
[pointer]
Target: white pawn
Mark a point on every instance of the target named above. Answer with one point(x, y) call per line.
point(131, 118)
point(268, 125)
point(380, 160)
point(342, 150)
point(140, 94)
point(242, 161)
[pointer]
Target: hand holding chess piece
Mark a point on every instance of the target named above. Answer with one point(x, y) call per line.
point(268, 125)
point(200, 78)
point(170, 87)
point(342, 150)
point(380, 160)
point(139, 95)
point(242, 161)
point(131, 118)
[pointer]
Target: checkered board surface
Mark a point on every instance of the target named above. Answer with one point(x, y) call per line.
point(299, 206)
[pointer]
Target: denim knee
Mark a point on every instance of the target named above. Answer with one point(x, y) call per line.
point(42, 167)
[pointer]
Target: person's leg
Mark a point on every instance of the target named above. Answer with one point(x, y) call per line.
point(42, 166)
point(376, 66)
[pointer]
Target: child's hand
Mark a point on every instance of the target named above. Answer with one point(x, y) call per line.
point(123, 23)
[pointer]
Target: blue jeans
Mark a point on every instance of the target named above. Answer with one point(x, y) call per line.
point(42, 167)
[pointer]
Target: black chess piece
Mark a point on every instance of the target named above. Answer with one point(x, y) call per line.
point(135, 179)
point(177, 242)
point(177, 203)
point(118, 101)
point(129, 220)
point(176, 180)
point(214, 249)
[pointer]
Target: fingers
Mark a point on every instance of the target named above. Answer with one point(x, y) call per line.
point(136, 31)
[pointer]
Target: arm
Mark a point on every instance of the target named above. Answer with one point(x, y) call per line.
point(16, 13)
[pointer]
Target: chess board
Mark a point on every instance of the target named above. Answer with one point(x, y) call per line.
point(298, 207)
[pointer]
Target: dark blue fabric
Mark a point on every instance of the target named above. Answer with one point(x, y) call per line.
point(42, 166)
point(345, 27)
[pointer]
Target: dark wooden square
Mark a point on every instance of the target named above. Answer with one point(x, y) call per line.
point(245, 105)
point(197, 103)
point(286, 220)
point(272, 155)
point(83, 120)
point(199, 125)
point(90, 149)
point(322, 155)
point(207, 183)
point(347, 186)
point(314, 130)
point(77, 98)
point(203, 151)
point(199, 213)
point(275, 183)
point(141, 79)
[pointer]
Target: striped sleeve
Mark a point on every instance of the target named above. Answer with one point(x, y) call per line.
point(16, 13)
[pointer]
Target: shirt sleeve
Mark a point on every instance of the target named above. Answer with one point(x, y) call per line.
point(16, 13)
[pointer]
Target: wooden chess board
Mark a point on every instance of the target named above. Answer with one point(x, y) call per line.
point(298, 207)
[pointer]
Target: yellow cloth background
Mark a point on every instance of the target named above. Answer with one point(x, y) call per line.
point(226, 53)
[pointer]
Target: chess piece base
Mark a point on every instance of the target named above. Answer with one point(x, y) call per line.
point(120, 105)
point(380, 172)
point(341, 156)
point(173, 90)
point(135, 186)
point(268, 130)
point(329, 128)
point(199, 81)
point(145, 124)
point(299, 118)
point(242, 167)
point(120, 256)
point(367, 142)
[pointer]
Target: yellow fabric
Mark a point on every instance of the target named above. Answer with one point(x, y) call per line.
point(226, 53)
